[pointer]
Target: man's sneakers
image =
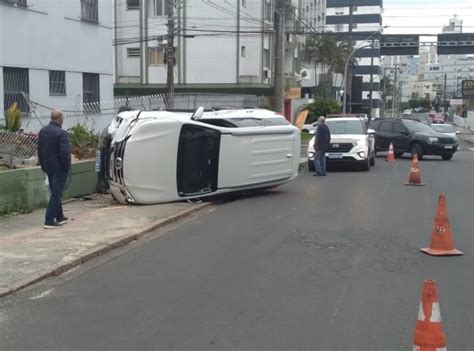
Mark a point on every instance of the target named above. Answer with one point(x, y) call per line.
point(56, 225)
point(62, 221)
point(52, 226)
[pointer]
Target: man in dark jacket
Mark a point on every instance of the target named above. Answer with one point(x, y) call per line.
point(321, 144)
point(54, 153)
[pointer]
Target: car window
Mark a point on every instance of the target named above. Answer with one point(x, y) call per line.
point(385, 127)
point(443, 128)
point(345, 127)
point(415, 126)
point(398, 128)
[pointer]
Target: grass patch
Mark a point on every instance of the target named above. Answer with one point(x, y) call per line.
point(306, 137)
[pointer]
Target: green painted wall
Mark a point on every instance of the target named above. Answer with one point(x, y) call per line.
point(24, 189)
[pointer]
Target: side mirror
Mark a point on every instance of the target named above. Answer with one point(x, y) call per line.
point(197, 115)
point(370, 131)
point(458, 132)
point(312, 132)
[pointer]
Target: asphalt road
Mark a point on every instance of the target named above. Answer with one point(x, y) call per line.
point(319, 264)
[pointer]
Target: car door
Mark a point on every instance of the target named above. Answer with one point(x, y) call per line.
point(383, 138)
point(400, 137)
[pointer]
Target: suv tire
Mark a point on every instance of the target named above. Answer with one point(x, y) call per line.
point(417, 149)
point(311, 167)
point(447, 157)
point(366, 164)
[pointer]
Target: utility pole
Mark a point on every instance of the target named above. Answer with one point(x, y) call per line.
point(445, 105)
point(280, 16)
point(394, 93)
point(384, 93)
point(371, 79)
point(170, 56)
point(349, 76)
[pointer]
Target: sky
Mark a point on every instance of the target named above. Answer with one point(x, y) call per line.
point(425, 16)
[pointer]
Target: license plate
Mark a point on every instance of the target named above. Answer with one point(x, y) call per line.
point(448, 146)
point(335, 156)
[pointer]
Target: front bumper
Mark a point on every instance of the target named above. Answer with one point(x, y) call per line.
point(440, 149)
point(356, 155)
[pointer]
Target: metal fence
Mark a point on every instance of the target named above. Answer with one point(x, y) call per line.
point(17, 146)
point(97, 115)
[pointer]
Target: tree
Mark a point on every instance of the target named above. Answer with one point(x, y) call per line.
point(330, 55)
point(321, 107)
point(417, 103)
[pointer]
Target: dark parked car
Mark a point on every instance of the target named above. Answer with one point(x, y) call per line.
point(410, 135)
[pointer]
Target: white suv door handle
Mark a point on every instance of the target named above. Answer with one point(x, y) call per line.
point(289, 155)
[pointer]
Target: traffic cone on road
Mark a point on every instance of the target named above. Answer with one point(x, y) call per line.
point(391, 154)
point(415, 177)
point(429, 335)
point(442, 243)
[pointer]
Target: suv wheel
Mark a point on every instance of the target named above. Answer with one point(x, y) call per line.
point(417, 149)
point(366, 164)
point(447, 157)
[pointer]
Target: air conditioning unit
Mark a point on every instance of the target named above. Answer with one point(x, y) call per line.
point(267, 73)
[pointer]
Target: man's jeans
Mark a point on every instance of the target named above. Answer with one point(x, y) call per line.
point(320, 162)
point(54, 212)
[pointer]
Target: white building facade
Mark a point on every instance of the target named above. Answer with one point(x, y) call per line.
point(362, 24)
point(219, 45)
point(59, 53)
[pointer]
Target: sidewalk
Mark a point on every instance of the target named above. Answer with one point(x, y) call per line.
point(29, 253)
point(465, 134)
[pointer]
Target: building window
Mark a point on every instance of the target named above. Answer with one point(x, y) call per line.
point(354, 9)
point(156, 56)
point(266, 58)
point(91, 92)
point(267, 11)
point(133, 4)
point(21, 3)
point(90, 10)
point(339, 27)
point(339, 11)
point(15, 81)
point(57, 83)
point(244, 3)
point(243, 51)
point(161, 7)
point(133, 52)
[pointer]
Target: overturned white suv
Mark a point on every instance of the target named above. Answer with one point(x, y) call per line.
point(351, 143)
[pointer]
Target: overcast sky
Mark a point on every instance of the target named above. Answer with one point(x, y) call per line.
point(426, 16)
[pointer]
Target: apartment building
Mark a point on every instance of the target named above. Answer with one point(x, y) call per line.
point(359, 20)
point(59, 53)
point(223, 46)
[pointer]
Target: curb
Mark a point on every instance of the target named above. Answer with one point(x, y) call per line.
point(50, 272)
point(469, 139)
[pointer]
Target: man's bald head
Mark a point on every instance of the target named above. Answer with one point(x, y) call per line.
point(57, 116)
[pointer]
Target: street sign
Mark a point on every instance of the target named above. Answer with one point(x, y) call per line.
point(293, 93)
point(467, 88)
point(394, 44)
point(455, 43)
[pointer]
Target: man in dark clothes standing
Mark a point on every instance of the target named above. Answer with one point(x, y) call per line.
point(54, 153)
point(321, 144)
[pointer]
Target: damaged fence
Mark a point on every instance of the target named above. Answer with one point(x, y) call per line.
point(15, 147)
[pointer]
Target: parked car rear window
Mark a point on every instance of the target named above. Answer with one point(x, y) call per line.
point(415, 126)
point(345, 127)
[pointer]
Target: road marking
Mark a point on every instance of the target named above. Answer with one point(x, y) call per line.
point(43, 294)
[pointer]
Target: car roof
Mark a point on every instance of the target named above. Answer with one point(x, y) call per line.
point(344, 119)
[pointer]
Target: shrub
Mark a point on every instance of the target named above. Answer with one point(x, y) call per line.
point(13, 118)
point(84, 142)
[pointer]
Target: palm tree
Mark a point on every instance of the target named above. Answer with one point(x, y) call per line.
point(330, 55)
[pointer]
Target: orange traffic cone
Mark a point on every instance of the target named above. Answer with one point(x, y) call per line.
point(391, 154)
point(442, 243)
point(415, 177)
point(429, 335)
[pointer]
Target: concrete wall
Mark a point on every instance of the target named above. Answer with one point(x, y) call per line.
point(25, 189)
point(465, 122)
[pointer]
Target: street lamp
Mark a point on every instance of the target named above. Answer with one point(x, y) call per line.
point(346, 66)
